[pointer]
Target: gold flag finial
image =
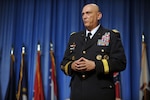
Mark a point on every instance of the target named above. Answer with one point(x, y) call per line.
point(12, 51)
point(143, 37)
point(38, 47)
point(51, 46)
point(23, 49)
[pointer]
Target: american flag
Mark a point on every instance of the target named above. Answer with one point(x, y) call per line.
point(54, 92)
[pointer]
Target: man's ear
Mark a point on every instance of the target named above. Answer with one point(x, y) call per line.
point(99, 15)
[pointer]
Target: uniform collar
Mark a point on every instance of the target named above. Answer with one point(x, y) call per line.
point(93, 31)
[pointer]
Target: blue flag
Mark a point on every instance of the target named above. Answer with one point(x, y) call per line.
point(10, 92)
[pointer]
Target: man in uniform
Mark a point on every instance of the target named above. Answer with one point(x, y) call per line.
point(91, 59)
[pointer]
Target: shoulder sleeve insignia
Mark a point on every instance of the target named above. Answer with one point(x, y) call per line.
point(115, 31)
point(72, 33)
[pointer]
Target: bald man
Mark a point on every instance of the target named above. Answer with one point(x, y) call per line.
point(91, 58)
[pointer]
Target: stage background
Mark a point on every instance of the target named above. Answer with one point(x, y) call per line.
point(27, 22)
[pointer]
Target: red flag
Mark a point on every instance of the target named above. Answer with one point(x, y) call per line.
point(117, 85)
point(54, 94)
point(144, 78)
point(38, 86)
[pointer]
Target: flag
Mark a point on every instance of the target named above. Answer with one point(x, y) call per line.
point(144, 77)
point(11, 90)
point(22, 90)
point(54, 93)
point(38, 86)
point(116, 77)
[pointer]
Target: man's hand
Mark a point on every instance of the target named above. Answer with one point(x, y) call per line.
point(83, 64)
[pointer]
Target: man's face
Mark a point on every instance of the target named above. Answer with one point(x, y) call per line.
point(90, 17)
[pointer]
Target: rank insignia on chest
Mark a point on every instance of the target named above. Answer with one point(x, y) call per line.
point(104, 41)
point(73, 46)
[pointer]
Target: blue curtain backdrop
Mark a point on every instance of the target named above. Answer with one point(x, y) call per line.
point(27, 22)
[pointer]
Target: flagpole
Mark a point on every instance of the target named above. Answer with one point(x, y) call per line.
point(144, 89)
point(143, 38)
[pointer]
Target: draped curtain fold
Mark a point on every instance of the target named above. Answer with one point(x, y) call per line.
point(27, 22)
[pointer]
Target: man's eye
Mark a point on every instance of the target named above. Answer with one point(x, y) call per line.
point(88, 12)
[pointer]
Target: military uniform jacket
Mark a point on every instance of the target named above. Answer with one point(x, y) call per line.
point(106, 50)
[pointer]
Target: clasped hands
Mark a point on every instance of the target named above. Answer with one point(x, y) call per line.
point(83, 64)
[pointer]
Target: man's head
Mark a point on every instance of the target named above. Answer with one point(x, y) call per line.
point(91, 15)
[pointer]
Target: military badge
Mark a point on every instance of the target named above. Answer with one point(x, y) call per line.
point(104, 41)
point(99, 57)
point(106, 57)
point(72, 46)
point(99, 42)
